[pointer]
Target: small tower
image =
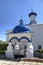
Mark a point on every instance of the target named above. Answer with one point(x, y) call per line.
point(21, 22)
point(32, 16)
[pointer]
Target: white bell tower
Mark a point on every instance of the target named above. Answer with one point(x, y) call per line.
point(32, 16)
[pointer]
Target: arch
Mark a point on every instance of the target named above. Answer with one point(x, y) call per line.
point(14, 38)
point(26, 38)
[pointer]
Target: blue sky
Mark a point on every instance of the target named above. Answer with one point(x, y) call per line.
point(12, 10)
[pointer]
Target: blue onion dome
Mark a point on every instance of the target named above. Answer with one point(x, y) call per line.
point(20, 28)
point(32, 13)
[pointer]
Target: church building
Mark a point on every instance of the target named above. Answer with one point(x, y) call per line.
point(25, 38)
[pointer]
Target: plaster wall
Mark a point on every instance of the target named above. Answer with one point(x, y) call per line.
point(19, 35)
point(37, 38)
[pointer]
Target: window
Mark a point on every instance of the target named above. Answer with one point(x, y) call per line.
point(39, 47)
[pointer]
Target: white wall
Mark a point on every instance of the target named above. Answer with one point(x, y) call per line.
point(37, 38)
point(19, 35)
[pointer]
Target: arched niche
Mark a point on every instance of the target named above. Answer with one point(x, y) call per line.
point(24, 40)
point(14, 40)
